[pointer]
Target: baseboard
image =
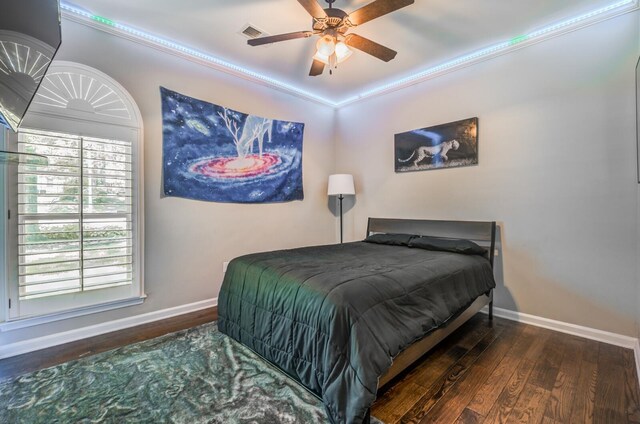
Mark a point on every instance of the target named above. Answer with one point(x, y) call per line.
point(31, 345)
point(38, 343)
point(576, 330)
point(567, 328)
point(636, 351)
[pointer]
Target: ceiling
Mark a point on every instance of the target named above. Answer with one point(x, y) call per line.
point(425, 34)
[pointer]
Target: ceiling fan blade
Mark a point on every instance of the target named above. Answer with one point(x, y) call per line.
point(317, 68)
point(313, 8)
point(376, 9)
point(281, 37)
point(370, 47)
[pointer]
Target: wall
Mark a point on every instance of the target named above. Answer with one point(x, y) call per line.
point(638, 186)
point(187, 241)
point(557, 169)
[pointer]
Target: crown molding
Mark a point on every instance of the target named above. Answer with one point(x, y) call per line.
point(575, 23)
point(164, 45)
point(560, 28)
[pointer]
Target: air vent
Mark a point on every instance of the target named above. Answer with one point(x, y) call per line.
point(251, 32)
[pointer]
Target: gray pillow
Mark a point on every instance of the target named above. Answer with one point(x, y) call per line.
point(465, 247)
point(391, 239)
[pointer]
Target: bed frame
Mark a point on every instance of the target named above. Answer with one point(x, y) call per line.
point(482, 233)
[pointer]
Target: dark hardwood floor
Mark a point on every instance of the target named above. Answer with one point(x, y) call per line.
point(485, 372)
point(506, 372)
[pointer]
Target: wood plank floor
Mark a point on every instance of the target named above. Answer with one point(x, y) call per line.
point(485, 372)
point(506, 372)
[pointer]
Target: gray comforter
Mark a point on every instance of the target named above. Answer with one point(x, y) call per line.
point(333, 317)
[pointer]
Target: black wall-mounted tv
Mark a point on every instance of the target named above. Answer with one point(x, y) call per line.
point(30, 36)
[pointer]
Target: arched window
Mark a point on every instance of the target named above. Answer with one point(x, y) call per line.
point(75, 231)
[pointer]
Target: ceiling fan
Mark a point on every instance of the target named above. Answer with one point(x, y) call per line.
point(332, 26)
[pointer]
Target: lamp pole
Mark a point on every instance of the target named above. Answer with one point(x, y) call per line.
point(341, 197)
point(339, 186)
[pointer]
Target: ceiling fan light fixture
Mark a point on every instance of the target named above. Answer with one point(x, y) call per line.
point(332, 26)
point(321, 58)
point(326, 45)
point(343, 52)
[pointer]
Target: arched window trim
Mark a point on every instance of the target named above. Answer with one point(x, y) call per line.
point(82, 122)
point(83, 89)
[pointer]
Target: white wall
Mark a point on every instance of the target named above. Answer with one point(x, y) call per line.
point(638, 170)
point(187, 241)
point(557, 169)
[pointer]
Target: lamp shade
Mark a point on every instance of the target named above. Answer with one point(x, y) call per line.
point(341, 184)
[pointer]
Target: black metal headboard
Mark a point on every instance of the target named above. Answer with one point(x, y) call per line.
point(480, 232)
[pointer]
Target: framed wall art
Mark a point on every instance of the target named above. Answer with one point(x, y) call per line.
point(442, 146)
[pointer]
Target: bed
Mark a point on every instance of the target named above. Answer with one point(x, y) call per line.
point(343, 320)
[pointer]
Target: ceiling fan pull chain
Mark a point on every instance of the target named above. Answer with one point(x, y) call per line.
point(333, 63)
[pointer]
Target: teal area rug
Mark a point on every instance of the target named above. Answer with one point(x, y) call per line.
point(193, 376)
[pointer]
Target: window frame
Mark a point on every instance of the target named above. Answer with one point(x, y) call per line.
point(84, 124)
point(4, 295)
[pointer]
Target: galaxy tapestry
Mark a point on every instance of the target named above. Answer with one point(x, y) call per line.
point(443, 146)
point(217, 154)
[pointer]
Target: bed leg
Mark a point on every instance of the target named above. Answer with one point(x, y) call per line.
point(367, 417)
point(489, 294)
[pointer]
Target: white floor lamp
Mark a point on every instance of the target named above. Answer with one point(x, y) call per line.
point(341, 185)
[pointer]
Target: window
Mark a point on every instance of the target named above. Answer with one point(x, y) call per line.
point(74, 239)
point(74, 216)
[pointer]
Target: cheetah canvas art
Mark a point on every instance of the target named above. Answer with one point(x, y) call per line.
point(443, 146)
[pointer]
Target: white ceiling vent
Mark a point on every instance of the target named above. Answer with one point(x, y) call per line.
point(250, 31)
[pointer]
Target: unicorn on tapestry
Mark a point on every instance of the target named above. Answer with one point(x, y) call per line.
point(254, 129)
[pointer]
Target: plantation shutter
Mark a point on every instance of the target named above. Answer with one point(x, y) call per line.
point(74, 215)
